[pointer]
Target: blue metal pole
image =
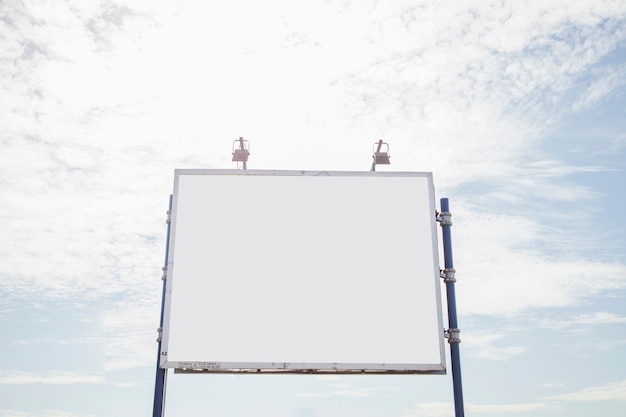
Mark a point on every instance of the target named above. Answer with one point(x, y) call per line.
point(453, 331)
point(161, 374)
point(380, 145)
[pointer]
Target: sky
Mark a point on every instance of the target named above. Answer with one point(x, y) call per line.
point(516, 107)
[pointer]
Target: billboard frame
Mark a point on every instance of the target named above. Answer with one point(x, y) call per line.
point(263, 367)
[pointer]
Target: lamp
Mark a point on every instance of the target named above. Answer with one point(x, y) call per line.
point(381, 154)
point(241, 151)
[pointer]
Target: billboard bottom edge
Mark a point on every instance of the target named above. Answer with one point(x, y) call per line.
point(302, 368)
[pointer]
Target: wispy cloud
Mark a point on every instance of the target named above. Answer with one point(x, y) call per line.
point(345, 390)
point(606, 83)
point(615, 391)
point(517, 263)
point(552, 385)
point(56, 341)
point(431, 410)
point(447, 409)
point(580, 323)
point(12, 377)
point(505, 408)
point(312, 395)
point(131, 335)
point(385, 391)
point(44, 413)
point(490, 346)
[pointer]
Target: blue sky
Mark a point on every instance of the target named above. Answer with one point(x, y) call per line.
point(516, 107)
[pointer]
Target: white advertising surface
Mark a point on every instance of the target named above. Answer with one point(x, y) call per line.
point(301, 271)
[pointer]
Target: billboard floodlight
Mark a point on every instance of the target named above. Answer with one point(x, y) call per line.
point(381, 154)
point(240, 155)
point(241, 151)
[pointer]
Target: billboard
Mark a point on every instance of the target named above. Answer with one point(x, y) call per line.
point(303, 271)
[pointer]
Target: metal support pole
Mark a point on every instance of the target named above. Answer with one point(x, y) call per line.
point(245, 164)
point(453, 332)
point(380, 145)
point(161, 374)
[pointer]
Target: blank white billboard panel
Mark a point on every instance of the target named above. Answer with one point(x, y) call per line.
point(299, 271)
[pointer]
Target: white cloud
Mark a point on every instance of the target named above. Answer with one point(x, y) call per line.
point(131, 334)
point(346, 390)
point(489, 346)
point(44, 413)
point(603, 86)
point(528, 281)
point(447, 409)
point(615, 391)
point(482, 409)
point(327, 377)
point(606, 344)
point(552, 385)
point(57, 341)
point(432, 410)
point(312, 395)
point(13, 377)
point(506, 264)
point(582, 322)
point(366, 391)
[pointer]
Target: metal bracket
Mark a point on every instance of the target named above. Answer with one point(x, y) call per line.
point(452, 335)
point(164, 276)
point(447, 275)
point(160, 332)
point(169, 217)
point(445, 218)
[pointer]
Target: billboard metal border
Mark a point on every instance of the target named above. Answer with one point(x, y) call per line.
point(299, 367)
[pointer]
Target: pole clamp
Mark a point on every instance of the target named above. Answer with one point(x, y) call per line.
point(447, 275)
point(160, 334)
point(169, 217)
point(452, 335)
point(445, 218)
point(164, 276)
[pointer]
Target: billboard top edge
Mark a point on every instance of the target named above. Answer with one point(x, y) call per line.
point(274, 172)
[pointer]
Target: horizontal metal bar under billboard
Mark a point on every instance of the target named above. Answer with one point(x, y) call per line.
point(311, 368)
